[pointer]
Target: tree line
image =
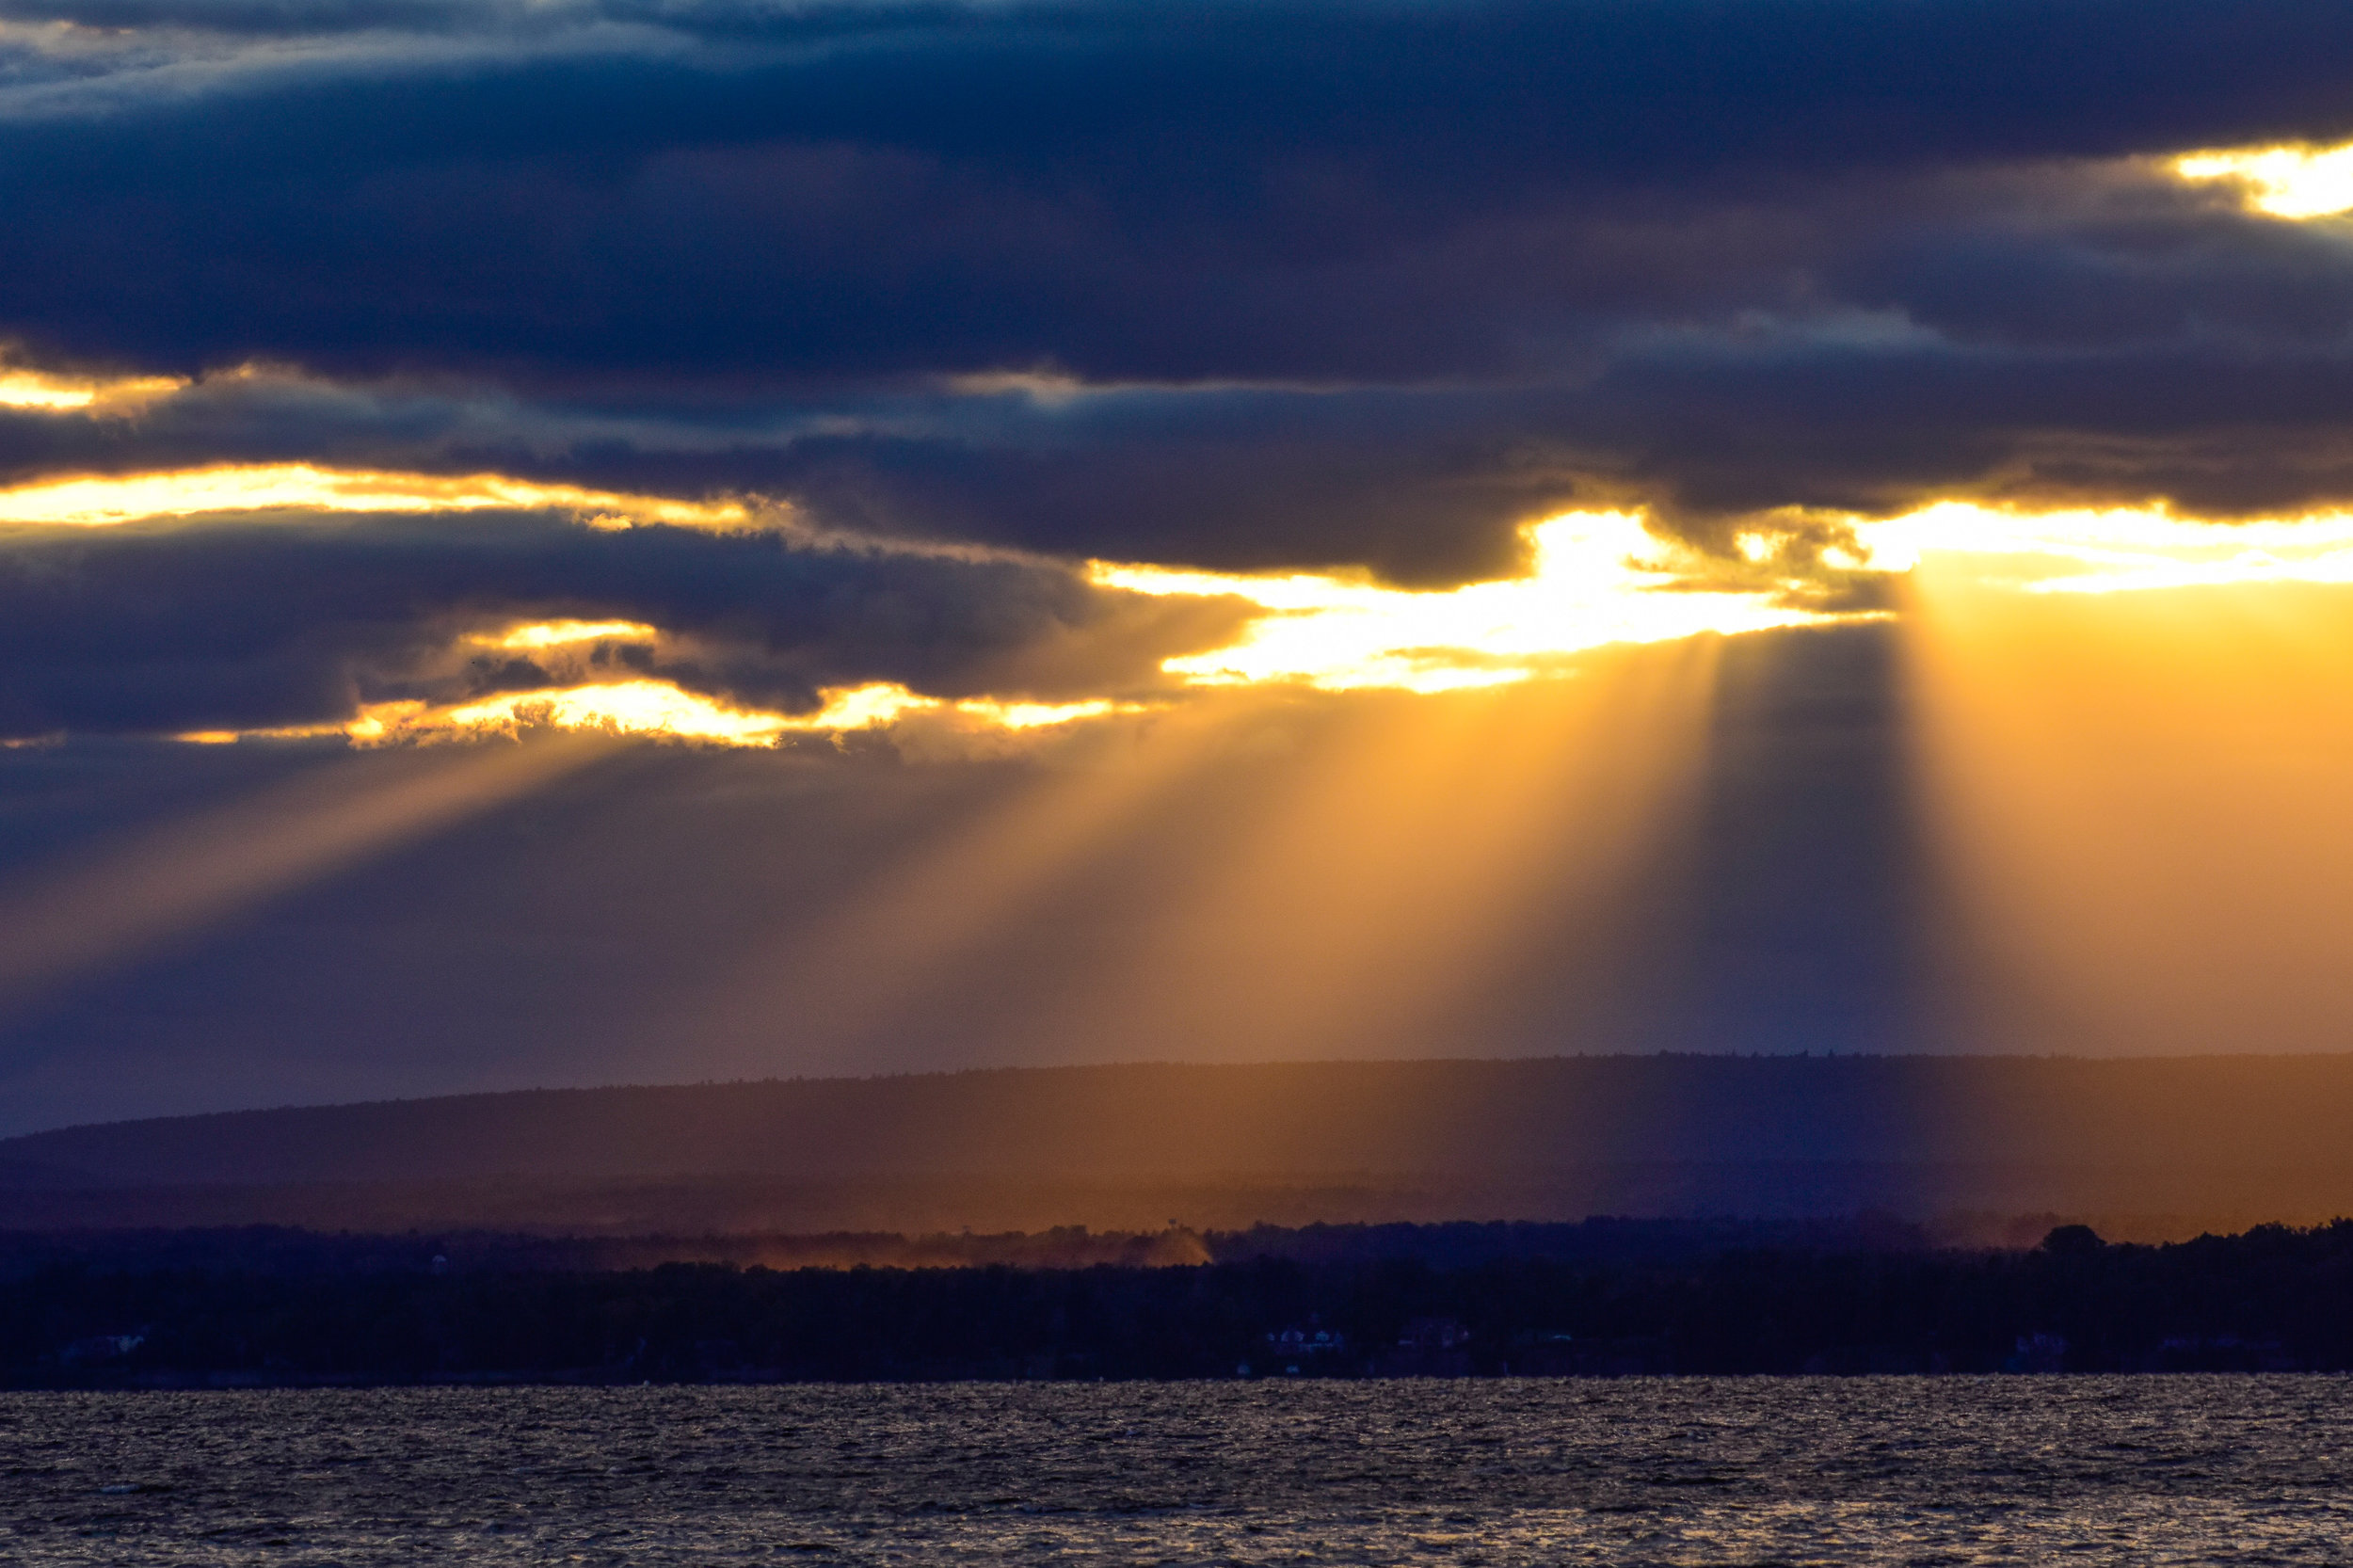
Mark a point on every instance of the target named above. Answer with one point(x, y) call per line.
point(2273, 1298)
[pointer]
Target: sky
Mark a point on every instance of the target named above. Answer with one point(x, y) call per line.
point(580, 542)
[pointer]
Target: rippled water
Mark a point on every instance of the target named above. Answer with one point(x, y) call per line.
point(2139, 1470)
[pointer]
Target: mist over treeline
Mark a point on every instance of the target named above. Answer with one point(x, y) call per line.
point(293, 1251)
point(1734, 1299)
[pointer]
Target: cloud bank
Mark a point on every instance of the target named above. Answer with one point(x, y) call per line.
point(231, 622)
point(1301, 284)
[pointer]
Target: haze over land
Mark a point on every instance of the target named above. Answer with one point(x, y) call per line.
point(2155, 1145)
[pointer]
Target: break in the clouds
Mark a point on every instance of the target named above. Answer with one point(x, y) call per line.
point(1303, 284)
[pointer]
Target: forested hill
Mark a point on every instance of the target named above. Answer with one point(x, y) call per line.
point(2247, 1115)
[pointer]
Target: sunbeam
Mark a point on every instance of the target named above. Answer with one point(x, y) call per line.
point(116, 904)
point(2136, 801)
point(1360, 897)
point(845, 975)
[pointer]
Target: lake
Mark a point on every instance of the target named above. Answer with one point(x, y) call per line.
point(2219, 1470)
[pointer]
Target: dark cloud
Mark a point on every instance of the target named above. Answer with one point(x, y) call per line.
point(1353, 193)
point(1429, 484)
point(1366, 284)
point(238, 624)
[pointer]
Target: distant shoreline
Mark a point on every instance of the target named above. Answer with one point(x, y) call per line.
point(233, 1310)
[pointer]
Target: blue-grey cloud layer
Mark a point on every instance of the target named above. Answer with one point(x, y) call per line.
point(249, 623)
point(1377, 282)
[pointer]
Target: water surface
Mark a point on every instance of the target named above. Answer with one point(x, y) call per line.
point(2221, 1469)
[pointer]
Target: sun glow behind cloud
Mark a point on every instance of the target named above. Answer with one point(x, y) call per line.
point(1598, 578)
point(1595, 580)
point(44, 393)
point(2108, 549)
point(564, 634)
point(2285, 181)
point(661, 708)
point(2115, 550)
point(111, 500)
